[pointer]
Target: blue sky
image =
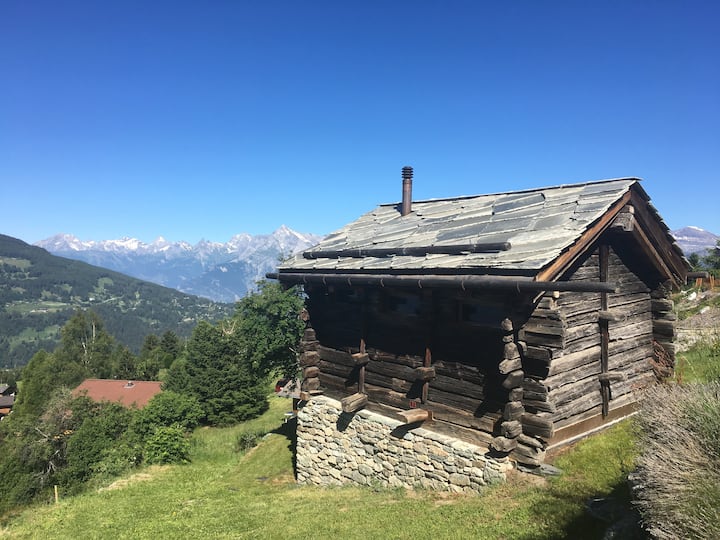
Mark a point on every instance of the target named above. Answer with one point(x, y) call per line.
point(205, 119)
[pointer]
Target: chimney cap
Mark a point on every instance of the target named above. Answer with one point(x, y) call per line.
point(407, 172)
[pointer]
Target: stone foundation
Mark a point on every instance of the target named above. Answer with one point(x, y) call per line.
point(366, 448)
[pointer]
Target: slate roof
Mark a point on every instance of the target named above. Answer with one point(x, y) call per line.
point(127, 393)
point(538, 224)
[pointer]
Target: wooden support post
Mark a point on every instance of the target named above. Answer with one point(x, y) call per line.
point(604, 331)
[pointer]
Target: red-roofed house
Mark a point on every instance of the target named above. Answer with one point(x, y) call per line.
point(127, 393)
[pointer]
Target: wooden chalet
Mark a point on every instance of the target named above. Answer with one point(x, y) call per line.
point(515, 320)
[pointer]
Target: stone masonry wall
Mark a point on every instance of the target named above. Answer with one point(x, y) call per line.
point(335, 448)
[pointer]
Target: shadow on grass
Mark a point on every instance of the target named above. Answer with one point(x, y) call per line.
point(289, 431)
point(571, 515)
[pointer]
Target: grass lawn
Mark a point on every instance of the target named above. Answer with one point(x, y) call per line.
point(226, 494)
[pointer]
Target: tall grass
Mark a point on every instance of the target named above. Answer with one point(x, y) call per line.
point(678, 476)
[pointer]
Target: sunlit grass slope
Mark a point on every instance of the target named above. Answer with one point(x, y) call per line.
point(225, 494)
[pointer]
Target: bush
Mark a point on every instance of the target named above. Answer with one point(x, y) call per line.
point(167, 409)
point(678, 477)
point(90, 445)
point(168, 444)
point(247, 440)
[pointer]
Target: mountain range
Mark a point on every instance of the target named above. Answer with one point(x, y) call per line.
point(39, 293)
point(223, 272)
point(695, 240)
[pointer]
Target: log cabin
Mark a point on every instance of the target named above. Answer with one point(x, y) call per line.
point(514, 321)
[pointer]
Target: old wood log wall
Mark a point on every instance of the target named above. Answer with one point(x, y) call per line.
point(574, 373)
point(512, 372)
point(450, 353)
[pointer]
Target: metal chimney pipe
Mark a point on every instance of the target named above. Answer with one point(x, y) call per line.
point(407, 176)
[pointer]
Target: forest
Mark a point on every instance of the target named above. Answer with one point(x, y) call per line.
point(39, 293)
point(219, 376)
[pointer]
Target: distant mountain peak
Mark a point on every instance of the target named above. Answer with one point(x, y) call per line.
point(693, 239)
point(220, 271)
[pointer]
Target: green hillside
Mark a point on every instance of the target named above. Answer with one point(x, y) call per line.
point(39, 292)
point(224, 493)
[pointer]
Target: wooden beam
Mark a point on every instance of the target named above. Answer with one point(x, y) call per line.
point(659, 238)
point(426, 281)
point(611, 316)
point(604, 330)
point(407, 251)
point(412, 416)
point(353, 403)
point(565, 260)
point(425, 373)
point(361, 358)
point(607, 377)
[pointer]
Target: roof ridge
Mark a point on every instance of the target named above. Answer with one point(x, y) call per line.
point(513, 192)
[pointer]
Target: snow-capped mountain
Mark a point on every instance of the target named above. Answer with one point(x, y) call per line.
point(224, 272)
point(695, 240)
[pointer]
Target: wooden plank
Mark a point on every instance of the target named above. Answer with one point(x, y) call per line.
point(412, 416)
point(353, 403)
point(566, 259)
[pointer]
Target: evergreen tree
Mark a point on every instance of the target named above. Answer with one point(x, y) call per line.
point(224, 383)
point(270, 328)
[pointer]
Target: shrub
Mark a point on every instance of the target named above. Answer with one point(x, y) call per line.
point(90, 444)
point(677, 487)
point(247, 440)
point(167, 409)
point(168, 444)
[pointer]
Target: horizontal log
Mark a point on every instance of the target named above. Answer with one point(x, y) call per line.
point(310, 371)
point(460, 387)
point(514, 379)
point(535, 405)
point(503, 444)
point(308, 345)
point(509, 364)
point(336, 356)
point(537, 425)
point(360, 359)
point(574, 360)
point(610, 377)
point(515, 394)
point(531, 441)
point(309, 335)
point(510, 351)
point(453, 249)
point(662, 305)
point(309, 358)
point(488, 418)
point(411, 416)
point(513, 410)
point(511, 429)
point(543, 354)
point(612, 316)
point(353, 403)
point(313, 383)
point(427, 281)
